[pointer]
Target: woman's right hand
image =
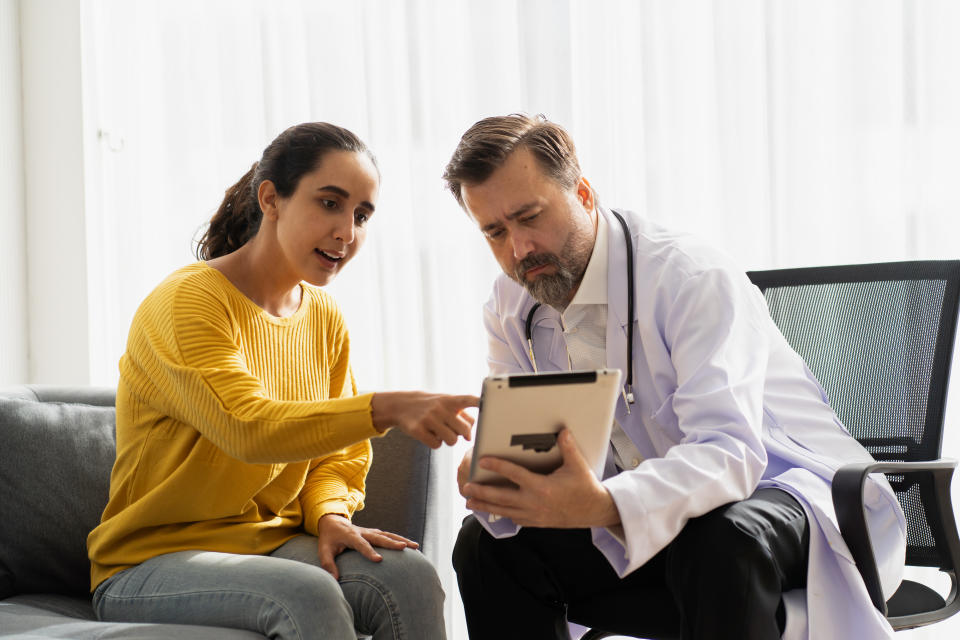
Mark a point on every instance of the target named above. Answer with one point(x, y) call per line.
point(431, 418)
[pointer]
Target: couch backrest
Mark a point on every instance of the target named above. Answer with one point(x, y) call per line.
point(57, 447)
point(55, 462)
point(397, 486)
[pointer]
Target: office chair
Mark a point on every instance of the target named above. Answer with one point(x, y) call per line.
point(879, 338)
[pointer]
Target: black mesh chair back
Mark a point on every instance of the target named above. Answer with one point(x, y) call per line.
point(880, 338)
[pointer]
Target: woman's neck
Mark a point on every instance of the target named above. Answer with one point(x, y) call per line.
point(251, 270)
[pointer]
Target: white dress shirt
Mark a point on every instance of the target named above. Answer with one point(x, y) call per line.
point(584, 324)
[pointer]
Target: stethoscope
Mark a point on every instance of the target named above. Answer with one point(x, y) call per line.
point(628, 387)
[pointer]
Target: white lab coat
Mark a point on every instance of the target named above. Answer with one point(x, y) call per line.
point(723, 406)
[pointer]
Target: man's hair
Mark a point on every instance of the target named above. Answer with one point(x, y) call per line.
point(488, 143)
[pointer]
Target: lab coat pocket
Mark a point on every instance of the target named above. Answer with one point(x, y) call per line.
point(802, 455)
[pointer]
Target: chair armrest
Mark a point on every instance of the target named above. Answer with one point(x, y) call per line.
point(848, 502)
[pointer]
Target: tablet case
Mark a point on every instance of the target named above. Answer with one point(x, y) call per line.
point(521, 414)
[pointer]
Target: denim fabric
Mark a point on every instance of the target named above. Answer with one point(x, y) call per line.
point(284, 595)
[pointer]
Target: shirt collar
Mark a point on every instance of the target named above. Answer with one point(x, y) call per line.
point(593, 287)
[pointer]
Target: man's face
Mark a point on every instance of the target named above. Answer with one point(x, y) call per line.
point(540, 232)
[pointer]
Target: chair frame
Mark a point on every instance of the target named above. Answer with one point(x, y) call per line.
point(849, 480)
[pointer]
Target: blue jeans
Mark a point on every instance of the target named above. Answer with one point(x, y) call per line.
point(284, 595)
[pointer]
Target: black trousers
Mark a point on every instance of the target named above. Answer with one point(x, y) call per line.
point(721, 577)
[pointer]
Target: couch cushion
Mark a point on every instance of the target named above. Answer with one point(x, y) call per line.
point(55, 462)
point(42, 617)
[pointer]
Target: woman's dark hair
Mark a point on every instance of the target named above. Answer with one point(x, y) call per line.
point(295, 152)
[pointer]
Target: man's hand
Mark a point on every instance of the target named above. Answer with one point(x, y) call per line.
point(463, 471)
point(335, 534)
point(569, 497)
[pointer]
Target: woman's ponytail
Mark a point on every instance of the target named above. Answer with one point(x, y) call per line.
point(235, 222)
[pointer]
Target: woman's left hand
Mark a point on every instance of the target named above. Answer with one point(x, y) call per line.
point(336, 534)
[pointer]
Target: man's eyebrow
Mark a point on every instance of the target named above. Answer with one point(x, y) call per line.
point(343, 193)
point(521, 210)
point(510, 216)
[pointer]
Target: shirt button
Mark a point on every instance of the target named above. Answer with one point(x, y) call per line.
point(635, 463)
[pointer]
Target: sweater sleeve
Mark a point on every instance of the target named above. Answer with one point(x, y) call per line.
point(184, 358)
point(336, 483)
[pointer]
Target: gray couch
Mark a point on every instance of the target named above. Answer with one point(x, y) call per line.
point(57, 446)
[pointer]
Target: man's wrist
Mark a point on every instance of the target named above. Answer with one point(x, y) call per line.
point(608, 514)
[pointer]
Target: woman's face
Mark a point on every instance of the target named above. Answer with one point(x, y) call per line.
point(324, 222)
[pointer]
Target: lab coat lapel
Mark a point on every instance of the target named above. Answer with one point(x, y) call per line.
point(616, 301)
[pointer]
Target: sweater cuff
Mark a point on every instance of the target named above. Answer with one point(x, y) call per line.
point(355, 406)
point(337, 507)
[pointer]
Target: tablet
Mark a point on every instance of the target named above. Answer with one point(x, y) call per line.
point(520, 416)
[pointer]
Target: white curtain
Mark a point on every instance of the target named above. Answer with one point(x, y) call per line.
point(791, 133)
point(13, 277)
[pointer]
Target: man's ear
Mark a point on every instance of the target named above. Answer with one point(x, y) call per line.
point(585, 194)
point(267, 197)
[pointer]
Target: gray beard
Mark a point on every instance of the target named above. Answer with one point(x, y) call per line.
point(556, 289)
point(550, 289)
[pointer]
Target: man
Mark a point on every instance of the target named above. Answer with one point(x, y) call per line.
point(714, 511)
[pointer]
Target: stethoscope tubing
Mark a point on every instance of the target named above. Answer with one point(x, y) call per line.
point(628, 387)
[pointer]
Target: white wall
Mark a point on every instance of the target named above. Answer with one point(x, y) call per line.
point(54, 192)
point(13, 265)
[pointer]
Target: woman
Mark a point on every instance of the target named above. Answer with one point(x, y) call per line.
point(242, 445)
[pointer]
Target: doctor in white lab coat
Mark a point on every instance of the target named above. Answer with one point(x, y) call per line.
point(724, 410)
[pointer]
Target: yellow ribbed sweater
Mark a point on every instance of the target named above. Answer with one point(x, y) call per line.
point(236, 430)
